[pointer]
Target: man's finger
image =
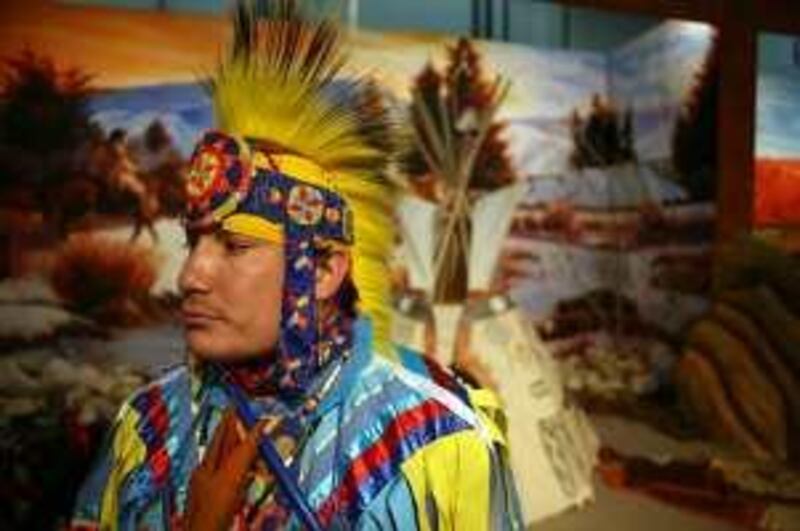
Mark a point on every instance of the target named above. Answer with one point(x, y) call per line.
point(211, 455)
point(241, 458)
point(222, 442)
point(231, 438)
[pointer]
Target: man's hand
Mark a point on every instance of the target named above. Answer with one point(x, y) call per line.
point(217, 487)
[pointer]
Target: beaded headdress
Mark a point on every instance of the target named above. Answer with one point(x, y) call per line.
point(298, 158)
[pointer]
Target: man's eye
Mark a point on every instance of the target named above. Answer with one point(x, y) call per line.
point(237, 246)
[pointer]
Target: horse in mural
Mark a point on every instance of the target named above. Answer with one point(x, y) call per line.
point(141, 180)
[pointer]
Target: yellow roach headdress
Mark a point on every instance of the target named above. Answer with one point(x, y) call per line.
point(299, 156)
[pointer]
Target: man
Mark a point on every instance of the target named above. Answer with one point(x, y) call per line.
point(285, 305)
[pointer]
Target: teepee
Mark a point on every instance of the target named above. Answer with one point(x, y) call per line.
point(461, 214)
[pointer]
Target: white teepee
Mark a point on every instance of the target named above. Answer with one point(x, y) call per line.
point(553, 447)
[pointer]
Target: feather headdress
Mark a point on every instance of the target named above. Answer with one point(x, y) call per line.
point(280, 88)
point(280, 84)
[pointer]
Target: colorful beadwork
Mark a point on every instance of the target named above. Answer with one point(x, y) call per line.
point(219, 175)
point(305, 205)
point(153, 428)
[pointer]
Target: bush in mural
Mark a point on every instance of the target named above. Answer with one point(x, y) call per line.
point(604, 137)
point(43, 122)
point(43, 117)
point(694, 139)
point(107, 280)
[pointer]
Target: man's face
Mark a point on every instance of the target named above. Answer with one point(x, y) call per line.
point(232, 290)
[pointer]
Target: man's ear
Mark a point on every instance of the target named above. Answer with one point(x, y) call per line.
point(331, 272)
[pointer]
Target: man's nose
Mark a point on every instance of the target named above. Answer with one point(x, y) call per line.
point(197, 272)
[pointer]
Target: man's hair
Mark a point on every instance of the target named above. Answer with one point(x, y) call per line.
point(346, 298)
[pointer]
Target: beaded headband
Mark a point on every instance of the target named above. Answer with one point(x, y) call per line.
point(280, 199)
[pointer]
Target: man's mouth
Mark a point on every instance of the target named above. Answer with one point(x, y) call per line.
point(197, 317)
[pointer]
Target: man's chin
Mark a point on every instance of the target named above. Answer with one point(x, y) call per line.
point(204, 348)
point(204, 355)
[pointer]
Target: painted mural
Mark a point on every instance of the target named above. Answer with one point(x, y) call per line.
point(607, 252)
point(777, 172)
